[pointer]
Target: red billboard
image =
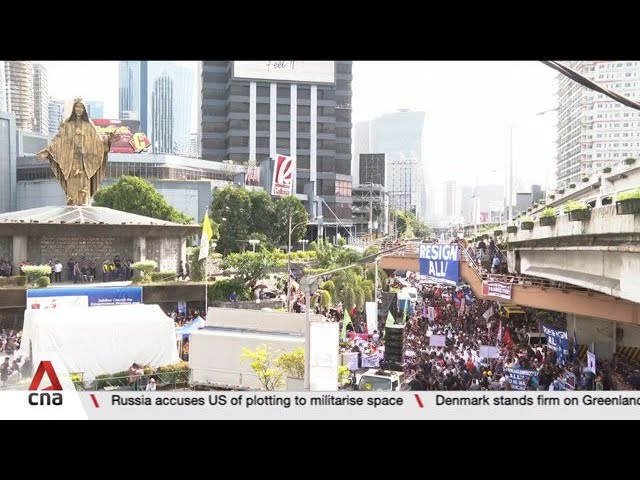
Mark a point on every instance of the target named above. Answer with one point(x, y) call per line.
point(131, 140)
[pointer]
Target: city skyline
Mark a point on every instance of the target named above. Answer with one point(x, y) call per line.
point(467, 104)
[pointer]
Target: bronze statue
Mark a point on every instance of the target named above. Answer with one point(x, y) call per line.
point(78, 156)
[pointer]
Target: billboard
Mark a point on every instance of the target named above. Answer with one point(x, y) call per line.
point(131, 139)
point(283, 172)
point(492, 288)
point(439, 262)
point(63, 297)
point(286, 70)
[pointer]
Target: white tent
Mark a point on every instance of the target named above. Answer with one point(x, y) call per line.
point(99, 340)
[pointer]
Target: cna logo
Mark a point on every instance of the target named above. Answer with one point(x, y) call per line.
point(45, 398)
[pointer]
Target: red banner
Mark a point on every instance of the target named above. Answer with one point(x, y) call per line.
point(131, 139)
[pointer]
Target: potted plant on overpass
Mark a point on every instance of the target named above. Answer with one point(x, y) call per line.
point(526, 224)
point(548, 217)
point(628, 203)
point(578, 211)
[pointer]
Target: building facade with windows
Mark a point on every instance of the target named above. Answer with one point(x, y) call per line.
point(595, 131)
point(252, 111)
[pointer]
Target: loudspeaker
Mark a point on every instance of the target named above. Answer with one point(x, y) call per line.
point(393, 346)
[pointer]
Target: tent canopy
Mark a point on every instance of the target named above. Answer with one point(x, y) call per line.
point(100, 340)
point(192, 326)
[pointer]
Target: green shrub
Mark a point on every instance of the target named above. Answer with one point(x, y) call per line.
point(325, 299)
point(43, 282)
point(163, 276)
point(330, 287)
point(572, 185)
point(548, 212)
point(628, 195)
point(606, 170)
point(629, 161)
point(572, 206)
point(35, 271)
point(221, 289)
point(292, 363)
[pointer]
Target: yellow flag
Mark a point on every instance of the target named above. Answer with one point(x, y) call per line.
point(206, 237)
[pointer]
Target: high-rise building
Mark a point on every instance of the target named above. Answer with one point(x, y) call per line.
point(8, 153)
point(133, 92)
point(451, 201)
point(400, 136)
point(361, 145)
point(252, 110)
point(56, 113)
point(95, 109)
point(595, 131)
point(40, 99)
point(162, 118)
point(139, 97)
point(3, 89)
point(19, 78)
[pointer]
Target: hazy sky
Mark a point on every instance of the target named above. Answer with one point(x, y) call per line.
point(469, 109)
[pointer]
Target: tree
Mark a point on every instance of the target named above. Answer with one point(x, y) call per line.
point(250, 266)
point(231, 208)
point(262, 362)
point(138, 196)
point(263, 216)
point(289, 207)
point(292, 363)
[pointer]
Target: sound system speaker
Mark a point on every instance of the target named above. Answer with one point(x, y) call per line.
point(393, 347)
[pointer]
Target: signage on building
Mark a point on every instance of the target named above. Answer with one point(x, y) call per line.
point(286, 70)
point(283, 172)
point(131, 139)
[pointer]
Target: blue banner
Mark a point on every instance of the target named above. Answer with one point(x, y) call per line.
point(518, 378)
point(44, 298)
point(558, 341)
point(439, 262)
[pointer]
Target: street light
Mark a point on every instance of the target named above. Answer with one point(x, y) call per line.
point(303, 241)
point(289, 260)
point(253, 243)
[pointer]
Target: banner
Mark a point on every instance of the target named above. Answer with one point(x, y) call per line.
point(518, 378)
point(372, 316)
point(491, 288)
point(437, 341)
point(488, 314)
point(44, 298)
point(283, 173)
point(130, 140)
point(591, 362)
point(488, 351)
point(439, 262)
point(559, 341)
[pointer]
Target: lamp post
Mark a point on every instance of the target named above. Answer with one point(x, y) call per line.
point(289, 261)
point(303, 241)
point(253, 243)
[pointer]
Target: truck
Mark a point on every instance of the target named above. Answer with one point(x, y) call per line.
point(382, 381)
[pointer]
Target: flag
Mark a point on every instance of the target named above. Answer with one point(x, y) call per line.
point(575, 346)
point(346, 320)
point(390, 320)
point(507, 338)
point(206, 237)
point(499, 337)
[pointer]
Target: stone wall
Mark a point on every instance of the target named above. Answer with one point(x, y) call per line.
point(76, 247)
point(5, 248)
point(165, 252)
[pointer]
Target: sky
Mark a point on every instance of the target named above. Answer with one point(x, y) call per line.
point(470, 107)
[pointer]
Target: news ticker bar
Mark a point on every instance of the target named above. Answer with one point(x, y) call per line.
point(319, 406)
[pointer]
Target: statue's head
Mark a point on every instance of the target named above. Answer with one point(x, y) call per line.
point(79, 110)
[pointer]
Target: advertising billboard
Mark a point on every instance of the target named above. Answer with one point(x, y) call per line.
point(284, 170)
point(46, 298)
point(131, 140)
point(286, 71)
